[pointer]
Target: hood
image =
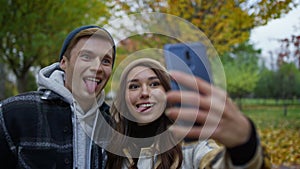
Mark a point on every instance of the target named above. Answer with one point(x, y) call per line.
point(52, 78)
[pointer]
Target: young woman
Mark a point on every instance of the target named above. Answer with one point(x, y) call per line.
point(143, 139)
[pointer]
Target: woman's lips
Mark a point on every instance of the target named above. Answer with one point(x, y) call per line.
point(143, 107)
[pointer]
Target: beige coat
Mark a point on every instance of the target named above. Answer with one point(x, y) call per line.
point(198, 155)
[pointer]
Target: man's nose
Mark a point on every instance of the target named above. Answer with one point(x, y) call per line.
point(96, 64)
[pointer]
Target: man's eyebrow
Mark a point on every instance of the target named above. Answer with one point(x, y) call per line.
point(86, 51)
point(107, 54)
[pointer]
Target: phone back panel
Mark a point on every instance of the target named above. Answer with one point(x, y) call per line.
point(190, 58)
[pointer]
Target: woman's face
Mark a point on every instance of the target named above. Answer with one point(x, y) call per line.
point(144, 95)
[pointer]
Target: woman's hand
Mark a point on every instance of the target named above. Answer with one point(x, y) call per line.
point(219, 118)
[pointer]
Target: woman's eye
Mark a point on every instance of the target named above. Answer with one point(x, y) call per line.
point(133, 86)
point(154, 84)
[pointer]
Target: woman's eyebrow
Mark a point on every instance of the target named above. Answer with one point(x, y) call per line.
point(153, 77)
point(136, 80)
point(132, 80)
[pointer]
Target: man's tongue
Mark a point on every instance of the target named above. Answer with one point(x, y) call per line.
point(91, 86)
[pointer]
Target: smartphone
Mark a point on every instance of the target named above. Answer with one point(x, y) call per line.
point(190, 58)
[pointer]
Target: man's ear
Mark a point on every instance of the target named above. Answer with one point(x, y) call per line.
point(63, 63)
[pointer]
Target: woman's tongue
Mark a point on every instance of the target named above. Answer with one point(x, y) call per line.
point(142, 108)
point(91, 86)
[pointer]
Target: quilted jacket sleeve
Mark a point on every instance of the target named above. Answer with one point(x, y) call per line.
point(250, 155)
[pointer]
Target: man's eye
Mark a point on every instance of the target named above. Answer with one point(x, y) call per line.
point(85, 57)
point(133, 86)
point(106, 61)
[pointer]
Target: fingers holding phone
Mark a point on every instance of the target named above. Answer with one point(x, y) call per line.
point(217, 115)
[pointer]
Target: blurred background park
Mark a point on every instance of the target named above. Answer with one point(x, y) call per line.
point(265, 83)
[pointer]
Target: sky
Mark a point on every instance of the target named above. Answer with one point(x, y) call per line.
point(264, 37)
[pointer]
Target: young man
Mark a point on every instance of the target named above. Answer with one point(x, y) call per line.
point(52, 127)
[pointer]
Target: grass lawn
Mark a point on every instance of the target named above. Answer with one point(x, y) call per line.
point(280, 134)
point(266, 117)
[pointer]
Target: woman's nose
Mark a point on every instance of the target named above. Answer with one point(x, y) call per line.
point(145, 92)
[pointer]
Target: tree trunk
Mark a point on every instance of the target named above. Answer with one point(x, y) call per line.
point(2, 81)
point(22, 83)
point(285, 109)
point(239, 103)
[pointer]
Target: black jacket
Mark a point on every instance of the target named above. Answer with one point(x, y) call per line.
point(37, 132)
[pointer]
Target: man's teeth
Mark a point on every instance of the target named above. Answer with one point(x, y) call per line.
point(93, 79)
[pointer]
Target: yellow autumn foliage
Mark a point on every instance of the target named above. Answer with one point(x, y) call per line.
point(283, 145)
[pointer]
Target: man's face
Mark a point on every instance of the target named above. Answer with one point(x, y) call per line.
point(89, 68)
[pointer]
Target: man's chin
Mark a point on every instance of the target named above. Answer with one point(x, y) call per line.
point(86, 96)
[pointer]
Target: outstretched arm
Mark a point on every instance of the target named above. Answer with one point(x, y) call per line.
point(217, 115)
